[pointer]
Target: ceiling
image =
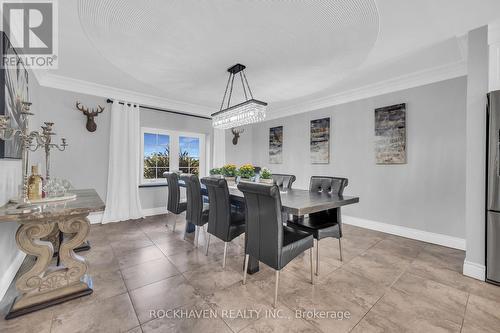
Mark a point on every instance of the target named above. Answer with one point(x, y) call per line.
point(296, 52)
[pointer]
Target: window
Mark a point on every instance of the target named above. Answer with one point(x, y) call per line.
point(170, 151)
point(189, 155)
point(156, 156)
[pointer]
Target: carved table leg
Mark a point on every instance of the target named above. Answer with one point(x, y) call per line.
point(41, 287)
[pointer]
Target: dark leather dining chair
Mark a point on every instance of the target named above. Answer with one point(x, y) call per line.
point(224, 222)
point(267, 239)
point(282, 180)
point(326, 223)
point(196, 212)
point(174, 204)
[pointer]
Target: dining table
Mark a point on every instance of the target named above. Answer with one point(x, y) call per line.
point(297, 203)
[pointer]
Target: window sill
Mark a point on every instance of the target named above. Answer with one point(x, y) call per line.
point(153, 185)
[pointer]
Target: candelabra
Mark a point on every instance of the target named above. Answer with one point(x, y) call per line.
point(26, 138)
point(44, 140)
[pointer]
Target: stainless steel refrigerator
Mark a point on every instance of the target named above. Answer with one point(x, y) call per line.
point(493, 189)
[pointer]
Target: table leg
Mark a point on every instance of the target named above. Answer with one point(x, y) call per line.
point(40, 286)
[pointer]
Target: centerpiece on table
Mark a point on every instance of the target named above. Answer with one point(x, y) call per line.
point(246, 172)
point(229, 172)
point(266, 176)
point(216, 172)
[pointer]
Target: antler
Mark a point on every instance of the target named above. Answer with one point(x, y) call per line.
point(92, 112)
point(237, 131)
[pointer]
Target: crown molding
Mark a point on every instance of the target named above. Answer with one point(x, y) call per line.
point(96, 89)
point(411, 80)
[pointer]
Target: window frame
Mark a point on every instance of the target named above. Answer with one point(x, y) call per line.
point(173, 152)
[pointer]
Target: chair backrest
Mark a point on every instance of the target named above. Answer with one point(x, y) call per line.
point(284, 181)
point(328, 184)
point(194, 198)
point(264, 226)
point(174, 193)
point(219, 215)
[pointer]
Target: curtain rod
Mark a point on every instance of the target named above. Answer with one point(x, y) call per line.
point(109, 100)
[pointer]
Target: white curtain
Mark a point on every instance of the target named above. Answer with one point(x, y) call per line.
point(122, 199)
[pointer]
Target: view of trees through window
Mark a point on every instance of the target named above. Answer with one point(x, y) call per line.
point(156, 155)
point(189, 155)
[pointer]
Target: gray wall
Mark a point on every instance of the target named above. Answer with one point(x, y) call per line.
point(10, 179)
point(85, 162)
point(427, 193)
point(241, 153)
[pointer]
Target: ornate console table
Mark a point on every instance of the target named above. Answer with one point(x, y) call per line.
point(44, 284)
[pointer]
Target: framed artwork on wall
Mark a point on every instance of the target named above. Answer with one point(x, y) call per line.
point(276, 145)
point(320, 141)
point(390, 134)
point(13, 91)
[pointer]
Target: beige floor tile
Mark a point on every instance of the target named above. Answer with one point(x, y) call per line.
point(127, 243)
point(240, 297)
point(404, 248)
point(40, 321)
point(114, 314)
point(207, 322)
point(440, 274)
point(137, 329)
point(442, 296)
point(148, 272)
point(443, 257)
point(280, 321)
point(482, 315)
point(317, 304)
point(171, 247)
point(101, 259)
point(139, 256)
point(353, 287)
point(164, 295)
point(211, 278)
point(401, 312)
point(483, 289)
point(405, 285)
point(193, 260)
point(382, 269)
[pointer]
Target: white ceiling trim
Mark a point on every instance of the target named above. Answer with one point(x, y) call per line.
point(95, 89)
point(411, 80)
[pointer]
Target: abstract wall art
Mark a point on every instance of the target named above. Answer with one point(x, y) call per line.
point(320, 141)
point(390, 134)
point(276, 145)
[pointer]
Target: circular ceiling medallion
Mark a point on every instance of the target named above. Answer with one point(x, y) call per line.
point(292, 49)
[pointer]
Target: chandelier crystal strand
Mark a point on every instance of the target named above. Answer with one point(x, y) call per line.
point(249, 112)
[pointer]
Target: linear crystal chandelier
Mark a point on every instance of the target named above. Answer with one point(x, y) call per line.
point(249, 112)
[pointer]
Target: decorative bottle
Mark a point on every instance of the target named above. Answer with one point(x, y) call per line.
point(35, 184)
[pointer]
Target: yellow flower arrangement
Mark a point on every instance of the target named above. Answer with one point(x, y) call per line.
point(246, 171)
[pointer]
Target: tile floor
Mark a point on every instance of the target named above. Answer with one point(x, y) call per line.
point(385, 284)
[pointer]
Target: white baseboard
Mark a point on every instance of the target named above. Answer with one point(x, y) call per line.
point(154, 211)
point(11, 272)
point(425, 236)
point(473, 270)
point(96, 218)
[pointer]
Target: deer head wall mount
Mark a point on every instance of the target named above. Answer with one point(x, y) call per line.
point(236, 132)
point(90, 113)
